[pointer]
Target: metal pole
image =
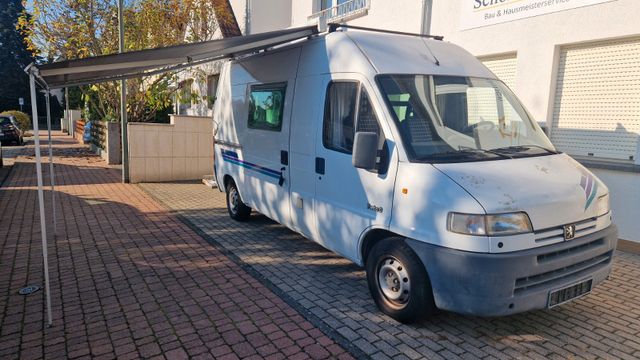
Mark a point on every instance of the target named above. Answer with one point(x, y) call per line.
point(66, 105)
point(123, 99)
point(51, 175)
point(43, 224)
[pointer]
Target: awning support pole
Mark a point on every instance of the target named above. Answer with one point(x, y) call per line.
point(123, 99)
point(43, 224)
point(51, 174)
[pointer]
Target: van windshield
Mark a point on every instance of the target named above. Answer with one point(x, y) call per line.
point(460, 119)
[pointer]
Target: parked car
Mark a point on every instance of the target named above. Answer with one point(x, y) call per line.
point(408, 156)
point(10, 132)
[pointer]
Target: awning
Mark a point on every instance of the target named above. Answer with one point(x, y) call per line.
point(152, 61)
point(127, 65)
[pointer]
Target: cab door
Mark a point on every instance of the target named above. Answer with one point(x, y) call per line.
point(349, 200)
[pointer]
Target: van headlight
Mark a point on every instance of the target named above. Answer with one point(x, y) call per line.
point(603, 204)
point(492, 224)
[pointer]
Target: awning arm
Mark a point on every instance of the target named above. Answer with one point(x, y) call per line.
point(32, 71)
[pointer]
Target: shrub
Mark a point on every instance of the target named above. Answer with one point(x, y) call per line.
point(24, 121)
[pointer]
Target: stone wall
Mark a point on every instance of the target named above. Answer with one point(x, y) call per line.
point(181, 150)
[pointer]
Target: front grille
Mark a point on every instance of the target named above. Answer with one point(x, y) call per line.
point(569, 251)
point(577, 269)
point(555, 234)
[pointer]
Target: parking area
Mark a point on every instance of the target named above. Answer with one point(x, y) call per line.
point(161, 271)
point(128, 279)
point(332, 293)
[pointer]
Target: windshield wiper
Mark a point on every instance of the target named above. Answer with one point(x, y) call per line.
point(519, 148)
point(463, 152)
point(484, 151)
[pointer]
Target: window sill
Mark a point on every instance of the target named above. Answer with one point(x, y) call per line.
point(608, 164)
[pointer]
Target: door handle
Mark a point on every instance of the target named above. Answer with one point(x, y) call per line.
point(320, 165)
point(281, 179)
point(284, 157)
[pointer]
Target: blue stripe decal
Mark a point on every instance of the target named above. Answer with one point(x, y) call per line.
point(232, 157)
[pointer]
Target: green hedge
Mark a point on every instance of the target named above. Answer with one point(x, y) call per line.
point(24, 121)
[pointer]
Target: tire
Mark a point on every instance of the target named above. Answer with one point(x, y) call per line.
point(237, 209)
point(398, 281)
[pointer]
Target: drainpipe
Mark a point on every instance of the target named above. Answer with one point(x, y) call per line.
point(247, 18)
point(425, 21)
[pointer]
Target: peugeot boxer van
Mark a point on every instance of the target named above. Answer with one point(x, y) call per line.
point(406, 155)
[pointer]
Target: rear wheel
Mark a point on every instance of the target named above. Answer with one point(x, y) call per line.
point(398, 281)
point(238, 210)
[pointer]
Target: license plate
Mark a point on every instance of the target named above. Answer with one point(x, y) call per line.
point(561, 296)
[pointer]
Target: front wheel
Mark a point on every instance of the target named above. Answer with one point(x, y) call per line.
point(398, 281)
point(238, 210)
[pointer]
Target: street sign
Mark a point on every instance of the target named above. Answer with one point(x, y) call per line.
point(21, 101)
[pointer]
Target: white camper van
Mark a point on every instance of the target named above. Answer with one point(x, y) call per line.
point(406, 155)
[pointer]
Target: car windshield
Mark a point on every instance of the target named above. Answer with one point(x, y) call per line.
point(5, 121)
point(456, 119)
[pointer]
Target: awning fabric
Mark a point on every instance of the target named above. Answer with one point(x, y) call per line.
point(151, 61)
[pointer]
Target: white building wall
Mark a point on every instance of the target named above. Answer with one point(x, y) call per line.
point(625, 201)
point(269, 15)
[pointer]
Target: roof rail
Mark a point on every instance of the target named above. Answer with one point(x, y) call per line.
point(334, 26)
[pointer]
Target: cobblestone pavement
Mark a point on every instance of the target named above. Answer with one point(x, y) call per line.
point(128, 279)
point(333, 294)
point(9, 154)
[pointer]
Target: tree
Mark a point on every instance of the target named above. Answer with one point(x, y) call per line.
point(71, 29)
point(14, 57)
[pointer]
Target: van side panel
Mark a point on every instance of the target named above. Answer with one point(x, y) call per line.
point(225, 132)
point(307, 113)
point(256, 165)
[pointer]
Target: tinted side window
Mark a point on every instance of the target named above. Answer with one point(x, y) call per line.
point(266, 106)
point(367, 120)
point(339, 116)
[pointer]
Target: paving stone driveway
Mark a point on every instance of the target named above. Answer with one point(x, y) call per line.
point(333, 294)
point(129, 280)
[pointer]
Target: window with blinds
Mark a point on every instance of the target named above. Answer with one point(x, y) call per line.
point(597, 99)
point(503, 66)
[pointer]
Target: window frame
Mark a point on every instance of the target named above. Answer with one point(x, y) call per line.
point(212, 96)
point(282, 85)
point(359, 88)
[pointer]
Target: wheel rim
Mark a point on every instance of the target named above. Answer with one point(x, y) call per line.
point(394, 281)
point(234, 200)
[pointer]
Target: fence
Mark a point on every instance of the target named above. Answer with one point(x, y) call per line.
point(105, 141)
point(341, 12)
point(78, 127)
point(98, 134)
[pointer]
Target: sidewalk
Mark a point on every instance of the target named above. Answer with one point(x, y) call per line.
point(128, 279)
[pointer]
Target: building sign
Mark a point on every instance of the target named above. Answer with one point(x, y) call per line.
point(477, 13)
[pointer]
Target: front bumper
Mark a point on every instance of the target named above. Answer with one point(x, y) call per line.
point(502, 284)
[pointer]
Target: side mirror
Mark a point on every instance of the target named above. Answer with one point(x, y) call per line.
point(365, 150)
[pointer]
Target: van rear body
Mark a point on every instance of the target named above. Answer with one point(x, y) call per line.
point(409, 157)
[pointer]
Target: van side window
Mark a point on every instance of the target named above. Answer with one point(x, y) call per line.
point(339, 116)
point(341, 120)
point(367, 120)
point(266, 106)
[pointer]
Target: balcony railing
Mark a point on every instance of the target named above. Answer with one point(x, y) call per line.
point(342, 12)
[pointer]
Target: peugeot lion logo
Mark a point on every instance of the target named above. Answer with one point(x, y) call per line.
point(569, 232)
